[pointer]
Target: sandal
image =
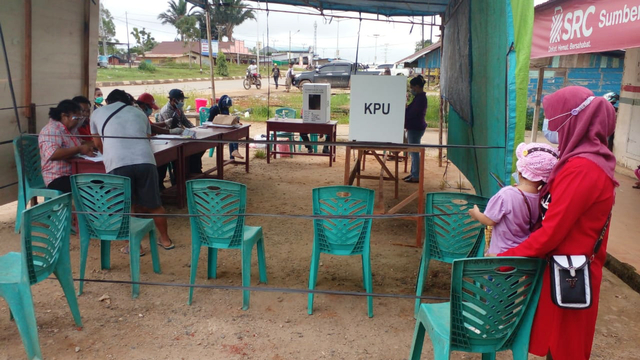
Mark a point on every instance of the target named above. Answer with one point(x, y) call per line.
point(125, 250)
point(170, 247)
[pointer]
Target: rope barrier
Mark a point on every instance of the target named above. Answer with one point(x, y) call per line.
point(264, 289)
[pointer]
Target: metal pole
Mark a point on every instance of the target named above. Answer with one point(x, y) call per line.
point(289, 47)
point(442, 108)
point(338, 41)
point(536, 111)
point(128, 52)
point(208, 21)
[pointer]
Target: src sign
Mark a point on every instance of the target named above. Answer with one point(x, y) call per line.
point(584, 26)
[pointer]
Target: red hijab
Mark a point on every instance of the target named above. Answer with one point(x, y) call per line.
point(584, 134)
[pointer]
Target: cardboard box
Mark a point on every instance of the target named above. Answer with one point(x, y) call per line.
point(316, 103)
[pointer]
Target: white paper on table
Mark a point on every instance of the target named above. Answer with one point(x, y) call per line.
point(209, 124)
point(97, 158)
point(167, 137)
point(159, 142)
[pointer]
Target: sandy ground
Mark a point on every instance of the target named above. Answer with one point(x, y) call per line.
point(159, 324)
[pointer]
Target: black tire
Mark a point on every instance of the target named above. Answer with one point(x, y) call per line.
point(301, 83)
point(258, 84)
point(247, 84)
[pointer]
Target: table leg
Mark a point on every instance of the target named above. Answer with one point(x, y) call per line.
point(396, 180)
point(181, 179)
point(331, 148)
point(420, 230)
point(246, 153)
point(379, 205)
point(220, 160)
point(347, 165)
point(268, 145)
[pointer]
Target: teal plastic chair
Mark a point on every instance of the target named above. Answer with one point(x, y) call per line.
point(30, 182)
point(493, 303)
point(204, 114)
point(216, 205)
point(286, 113)
point(45, 251)
point(450, 237)
point(342, 236)
point(102, 202)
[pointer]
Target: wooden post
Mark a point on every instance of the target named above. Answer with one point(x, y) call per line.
point(208, 22)
point(27, 59)
point(31, 121)
point(86, 49)
point(536, 111)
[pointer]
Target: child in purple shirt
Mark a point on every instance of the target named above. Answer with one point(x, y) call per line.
point(514, 210)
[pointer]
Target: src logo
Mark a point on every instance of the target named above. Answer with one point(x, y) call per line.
point(556, 26)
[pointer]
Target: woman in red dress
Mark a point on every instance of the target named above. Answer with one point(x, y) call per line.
point(575, 205)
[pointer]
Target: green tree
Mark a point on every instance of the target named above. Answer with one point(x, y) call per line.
point(202, 24)
point(221, 65)
point(229, 14)
point(144, 41)
point(420, 45)
point(188, 27)
point(175, 12)
point(107, 29)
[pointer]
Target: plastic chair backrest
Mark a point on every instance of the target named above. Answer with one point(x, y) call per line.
point(217, 202)
point(102, 201)
point(204, 114)
point(286, 113)
point(32, 165)
point(45, 234)
point(490, 299)
point(342, 236)
point(453, 237)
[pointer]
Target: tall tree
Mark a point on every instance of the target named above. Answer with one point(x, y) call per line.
point(188, 27)
point(229, 14)
point(107, 28)
point(202, 24)
point(420, 45)
point(175, 12)
point(144, 41)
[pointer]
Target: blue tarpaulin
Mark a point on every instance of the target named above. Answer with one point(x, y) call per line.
point(380, 7)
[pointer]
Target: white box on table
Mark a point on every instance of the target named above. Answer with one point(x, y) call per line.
point(316, 103)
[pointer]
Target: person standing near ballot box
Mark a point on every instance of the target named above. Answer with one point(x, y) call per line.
point(415, 123)
point(132, 158)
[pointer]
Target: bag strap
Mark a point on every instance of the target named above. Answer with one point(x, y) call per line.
point(112, 115)
point(596, 247)
point(526, 201)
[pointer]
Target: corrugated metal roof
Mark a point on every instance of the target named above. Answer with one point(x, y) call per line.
point(380, 7)
point(420, 53)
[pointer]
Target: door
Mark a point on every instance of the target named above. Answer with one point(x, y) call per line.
point(324, 74)
point(341, 76)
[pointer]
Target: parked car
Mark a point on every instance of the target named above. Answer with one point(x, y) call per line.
point(396, 69)
point(337, 73)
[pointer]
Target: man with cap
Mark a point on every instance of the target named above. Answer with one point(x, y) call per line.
point(173, 117)
point(147, 103)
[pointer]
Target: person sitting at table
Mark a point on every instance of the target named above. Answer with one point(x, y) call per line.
point(147, 104)
point(222, 108)
point(84, 128)
point(58, 143)
point(131, 156)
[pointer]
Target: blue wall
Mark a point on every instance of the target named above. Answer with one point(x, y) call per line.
point(601, 74)
point(431, 60)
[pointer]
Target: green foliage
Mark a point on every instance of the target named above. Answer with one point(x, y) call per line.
point(221, 66)
point(230, 14)
point(146, 66)
point(529, 124)
point(175, 12)
point(260, 154)
point(420, 45)
point(144, 41)
point(107, 31)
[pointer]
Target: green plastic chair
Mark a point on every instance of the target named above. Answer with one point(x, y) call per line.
point(30, 182)
point(450, 237)
point(216, 204)
point(493, 303)
point(102, 201)
point(342, 236)
point(204, 114)
point(45, 251)
point(286, 113)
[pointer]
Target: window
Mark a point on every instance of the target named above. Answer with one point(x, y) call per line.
point(327, 68)
point(342, 68)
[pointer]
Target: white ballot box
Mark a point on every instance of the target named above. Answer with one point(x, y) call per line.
point(316, 103)
point(377, 108)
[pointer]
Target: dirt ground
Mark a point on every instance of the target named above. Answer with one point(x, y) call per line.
point(160, 325)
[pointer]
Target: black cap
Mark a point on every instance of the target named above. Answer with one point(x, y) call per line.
point(176, 94)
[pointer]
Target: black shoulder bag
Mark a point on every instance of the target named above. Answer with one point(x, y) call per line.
point(571, 277)
point(110, 116)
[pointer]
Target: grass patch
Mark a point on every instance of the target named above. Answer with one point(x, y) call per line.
point(260, 154)
point(170, 70)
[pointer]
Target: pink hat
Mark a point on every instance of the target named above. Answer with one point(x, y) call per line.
point(536, 161)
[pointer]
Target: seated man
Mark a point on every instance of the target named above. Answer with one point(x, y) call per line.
point(222, 108)
point(83, 125)
point(173, 117)
point(253, 69)
point(58, 144)
point(132, 158)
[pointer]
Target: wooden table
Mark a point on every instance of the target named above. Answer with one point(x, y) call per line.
point(217, 133)
point(165, 152)
point(297, 126)
point(353, 173)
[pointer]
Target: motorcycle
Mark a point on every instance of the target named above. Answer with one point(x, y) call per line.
point(249, 80)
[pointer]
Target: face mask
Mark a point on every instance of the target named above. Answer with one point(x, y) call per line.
point(148, 112)
point(180, 104)
point(551, 136)
point(516, 177)
point(99, 100)
point(413, 92)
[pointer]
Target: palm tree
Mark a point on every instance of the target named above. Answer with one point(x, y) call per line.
point(176, 12)
point(231, 13)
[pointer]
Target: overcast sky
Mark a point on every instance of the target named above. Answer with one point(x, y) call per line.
point(395, 41)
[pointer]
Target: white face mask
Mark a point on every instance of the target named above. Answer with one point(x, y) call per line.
point(552, 136)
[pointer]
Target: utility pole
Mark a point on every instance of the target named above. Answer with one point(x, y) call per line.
point(315, 40)
point(338, 40)
point(290, 43)
point(422, 44)
point(208, 21)
point(386, 48)
point(375, 54)
point(128, 52)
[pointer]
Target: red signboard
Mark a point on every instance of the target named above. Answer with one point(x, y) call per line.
point(585, 26)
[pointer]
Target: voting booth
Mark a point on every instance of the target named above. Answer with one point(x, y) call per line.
point(377, 108)
point(316, 103)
